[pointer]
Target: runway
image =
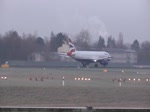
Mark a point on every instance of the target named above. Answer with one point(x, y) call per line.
point(43, 87)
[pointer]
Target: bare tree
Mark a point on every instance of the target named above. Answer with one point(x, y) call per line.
point(135, 46)
point(111, 43)
point(28, 46)
point(101, 43)
point(144, 53)
point(57, 41)
point(12, 45)
point(120, 43)
point(83, 40)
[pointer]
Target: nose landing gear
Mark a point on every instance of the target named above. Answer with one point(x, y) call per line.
point(96, 65)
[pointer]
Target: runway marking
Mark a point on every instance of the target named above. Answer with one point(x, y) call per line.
point(20, 107)
point(4, 78)
point(82, 79)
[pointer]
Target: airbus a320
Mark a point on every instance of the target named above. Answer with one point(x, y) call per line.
point(87, 57)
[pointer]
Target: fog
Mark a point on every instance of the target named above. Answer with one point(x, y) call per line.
point(100, 17)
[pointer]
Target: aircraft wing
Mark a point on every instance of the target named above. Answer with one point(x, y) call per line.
point(63, 54)
point(105, 58)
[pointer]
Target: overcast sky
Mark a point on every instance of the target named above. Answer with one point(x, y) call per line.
point(100, 17)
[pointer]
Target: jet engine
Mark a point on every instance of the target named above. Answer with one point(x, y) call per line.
point(104, 62)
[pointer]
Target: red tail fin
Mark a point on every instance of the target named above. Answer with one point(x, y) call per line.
point(71, 48)
point(71, 52)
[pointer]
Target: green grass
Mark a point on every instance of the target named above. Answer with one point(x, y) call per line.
point(100, 91)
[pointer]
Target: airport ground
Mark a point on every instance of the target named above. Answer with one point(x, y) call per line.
point(75, 87)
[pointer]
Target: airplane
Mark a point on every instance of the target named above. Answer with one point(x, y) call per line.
point(87, 57)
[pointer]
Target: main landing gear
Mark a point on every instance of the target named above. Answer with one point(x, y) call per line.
point(96, 65)
point(85, 65)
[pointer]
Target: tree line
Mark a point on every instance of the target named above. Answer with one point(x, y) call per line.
point(16, 47)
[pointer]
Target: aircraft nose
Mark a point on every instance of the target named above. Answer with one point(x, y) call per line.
point(109, 57)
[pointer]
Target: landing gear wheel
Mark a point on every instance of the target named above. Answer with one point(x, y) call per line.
point(85, 65)
point(96, 65)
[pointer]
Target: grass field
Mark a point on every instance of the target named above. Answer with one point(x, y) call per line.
point(82, 87)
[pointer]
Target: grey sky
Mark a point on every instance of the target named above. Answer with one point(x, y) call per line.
point(100, 17)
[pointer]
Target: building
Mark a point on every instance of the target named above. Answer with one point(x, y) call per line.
point(122, 56)
point(63, 49)
point(36, 57)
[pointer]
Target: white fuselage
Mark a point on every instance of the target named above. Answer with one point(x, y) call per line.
point(90, 55)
